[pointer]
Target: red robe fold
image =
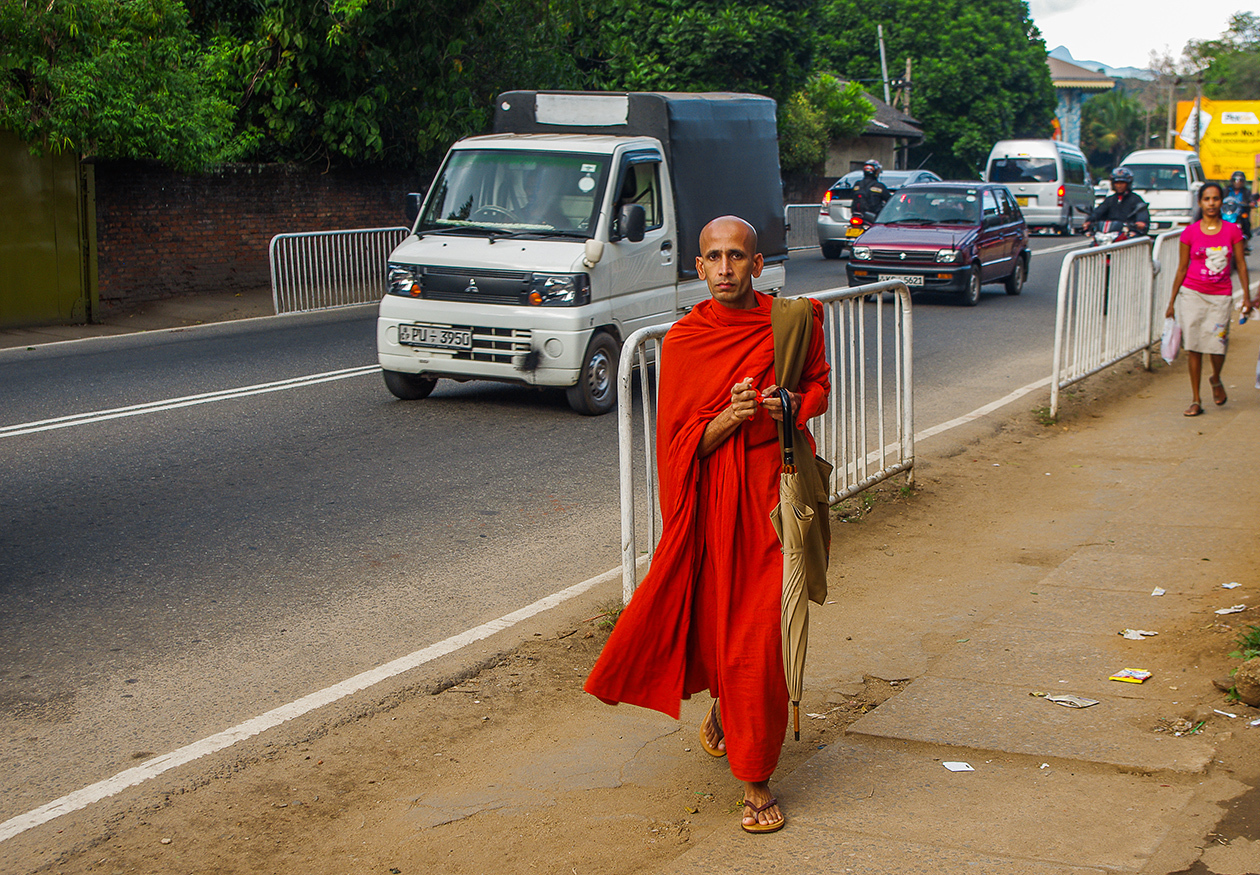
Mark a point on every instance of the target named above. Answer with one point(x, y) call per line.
point(706, 616)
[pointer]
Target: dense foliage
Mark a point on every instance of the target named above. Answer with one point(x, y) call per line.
point(392, 82)
point(979, 70)
point(1231, 63)
point(1112, 125)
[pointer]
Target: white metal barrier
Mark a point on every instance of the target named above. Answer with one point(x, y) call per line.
point(1105, 311)
point(322, 269)
point(1165, 256)
point(802, 225)
point(867, 432)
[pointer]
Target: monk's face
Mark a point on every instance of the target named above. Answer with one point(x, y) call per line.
point(729, 261)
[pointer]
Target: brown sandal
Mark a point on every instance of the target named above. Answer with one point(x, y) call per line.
point(1218, 392)
point(716, 720)
point(1195, 409)
point(763, 827)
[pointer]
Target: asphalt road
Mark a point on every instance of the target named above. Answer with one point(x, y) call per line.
point(166, 575)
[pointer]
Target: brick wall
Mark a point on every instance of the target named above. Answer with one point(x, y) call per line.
point(161, 233)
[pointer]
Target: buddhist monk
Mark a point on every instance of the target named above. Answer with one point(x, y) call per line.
point(706, 616)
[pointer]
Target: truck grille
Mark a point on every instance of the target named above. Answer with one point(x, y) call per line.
point(911, 255)
point(475, 286)
point(501, 345)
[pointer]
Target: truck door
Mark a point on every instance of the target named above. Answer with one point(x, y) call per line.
point(642, 275)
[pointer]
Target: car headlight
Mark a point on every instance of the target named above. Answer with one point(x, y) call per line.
point(404, 279)
point(560, 290)
point(946, 256)
point(862, 253)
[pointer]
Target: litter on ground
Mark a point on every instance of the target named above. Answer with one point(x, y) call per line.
point(1236, 609)
point(1131, 675)
point(958, 767)
point(1233, 584)
point(1136, 634)
point(1159, 590)
point(1072, 701)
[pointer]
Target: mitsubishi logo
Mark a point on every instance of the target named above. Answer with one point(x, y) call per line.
point(903, 256)
point(472, 286)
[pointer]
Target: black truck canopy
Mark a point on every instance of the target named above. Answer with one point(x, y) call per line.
point(722, 149)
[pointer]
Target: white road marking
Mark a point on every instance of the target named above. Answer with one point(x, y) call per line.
point(131, 777)
point(228, 737)
point(186, 401)
point(1061, 248)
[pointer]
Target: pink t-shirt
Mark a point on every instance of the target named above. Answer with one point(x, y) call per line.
point(1211, 257)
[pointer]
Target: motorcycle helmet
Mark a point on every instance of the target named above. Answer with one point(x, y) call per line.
point(1237, 176)
point(871, 169)
point(1122, 174)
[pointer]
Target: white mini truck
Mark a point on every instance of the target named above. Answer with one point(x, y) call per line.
point(540, 247)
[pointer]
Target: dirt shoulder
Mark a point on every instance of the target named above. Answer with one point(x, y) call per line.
point(506, 765)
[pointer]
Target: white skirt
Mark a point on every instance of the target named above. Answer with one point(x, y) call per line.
point(1204, 321)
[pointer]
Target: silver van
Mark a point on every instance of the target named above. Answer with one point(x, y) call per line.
point(1049, 179)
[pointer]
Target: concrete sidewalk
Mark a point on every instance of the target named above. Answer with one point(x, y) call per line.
point(1159, 500)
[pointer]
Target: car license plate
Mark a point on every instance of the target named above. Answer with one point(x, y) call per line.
point(908, 279)
point(435, 336)
point(853, 232)
point(1023, 201)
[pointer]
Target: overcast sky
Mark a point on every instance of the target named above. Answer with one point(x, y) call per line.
point(1122, 33)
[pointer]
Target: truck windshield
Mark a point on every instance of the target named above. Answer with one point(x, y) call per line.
point(1159, 177)
point(1023, 170)
point(518, 192)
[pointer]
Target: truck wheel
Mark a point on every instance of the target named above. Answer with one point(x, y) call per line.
point(832, 250)
point(408, 387)
point(595, 392)
point(971, 295)
point(1015, 282)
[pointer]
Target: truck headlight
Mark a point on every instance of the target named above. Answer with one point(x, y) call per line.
point(404, 279)
point(560, 290)
point(862, 253)
point(946, 256)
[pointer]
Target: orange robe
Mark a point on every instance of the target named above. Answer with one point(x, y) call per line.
point(706, 616)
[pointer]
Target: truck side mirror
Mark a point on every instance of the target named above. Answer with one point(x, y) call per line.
point(412, 206)
point(631, 222)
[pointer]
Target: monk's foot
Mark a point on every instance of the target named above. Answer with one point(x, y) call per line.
point(761, 809)
point(712, 738)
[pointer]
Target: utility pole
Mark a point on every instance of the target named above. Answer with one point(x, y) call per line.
point(905, 92)
point(1173, 82)
point(1198, 110)
point(883, 64)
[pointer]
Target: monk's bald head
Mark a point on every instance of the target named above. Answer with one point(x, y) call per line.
point(730, 225)
point(729, 261)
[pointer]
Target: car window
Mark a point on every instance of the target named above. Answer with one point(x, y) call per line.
point(1006, 208)
point(1073, 170)
point(1023, 169)
point(641, 185)
point(989, 203)
point(1159, 177)
point(946, 207)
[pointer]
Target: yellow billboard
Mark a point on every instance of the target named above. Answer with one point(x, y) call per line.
point(1229, 135)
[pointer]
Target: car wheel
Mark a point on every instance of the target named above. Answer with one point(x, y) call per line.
point(595, 392)
point(408, 387)
point(971, 295)
point(1015, 282)
point(832, 250)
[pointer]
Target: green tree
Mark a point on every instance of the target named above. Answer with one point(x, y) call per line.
point(111, 79)
point(1112, 125)
point(979, 69)
point(825, 109)
point(1230, 63)
point(704, 45)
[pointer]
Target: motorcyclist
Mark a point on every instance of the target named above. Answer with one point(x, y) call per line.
point(870, 195)
point(1122, 205)
point(1238, 190)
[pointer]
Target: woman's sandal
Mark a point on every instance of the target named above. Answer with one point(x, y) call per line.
point(763, 827)
point(1195, 409)
point(1218, 392)
point(715, 719)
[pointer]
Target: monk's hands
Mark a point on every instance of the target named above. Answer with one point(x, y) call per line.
point(774, 404)
point(743, 400)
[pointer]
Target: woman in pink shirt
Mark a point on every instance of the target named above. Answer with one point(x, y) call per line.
point(1204, 289)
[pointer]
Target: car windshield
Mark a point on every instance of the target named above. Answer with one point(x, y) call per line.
point(517, 192)
point(1159, 177)
point(1022, 169)
point(932, 207)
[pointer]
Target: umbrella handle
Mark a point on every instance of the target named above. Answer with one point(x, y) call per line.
point(789, 430)
point(796, 720)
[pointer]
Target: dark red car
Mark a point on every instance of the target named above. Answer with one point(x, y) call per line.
point(946, 237)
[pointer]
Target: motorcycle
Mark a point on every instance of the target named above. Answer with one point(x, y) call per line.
point(1113, 231)
point(1231, 208)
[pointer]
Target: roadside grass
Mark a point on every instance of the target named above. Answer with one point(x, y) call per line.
point(855, 509)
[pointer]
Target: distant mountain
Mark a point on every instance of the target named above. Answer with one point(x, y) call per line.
point(1063, 54)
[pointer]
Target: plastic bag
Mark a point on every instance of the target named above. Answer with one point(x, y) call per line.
point(1170, 342)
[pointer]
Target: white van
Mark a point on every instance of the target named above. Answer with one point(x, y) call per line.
point(1049, 179)
point(1169, 181)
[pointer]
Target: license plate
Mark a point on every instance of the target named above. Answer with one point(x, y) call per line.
point(852, 231)
point(435, 336)
point(1022, 201)
point(908, 279)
